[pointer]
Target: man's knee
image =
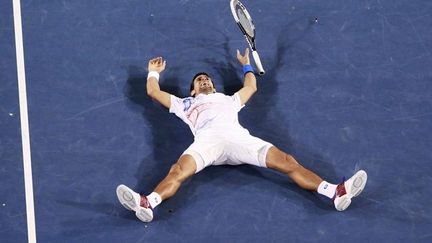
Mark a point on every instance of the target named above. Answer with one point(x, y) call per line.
point(180, 171)
point(279, 160)
point(176, 171)
point(288, 158)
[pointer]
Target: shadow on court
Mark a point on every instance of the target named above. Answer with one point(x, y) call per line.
point(170, 136)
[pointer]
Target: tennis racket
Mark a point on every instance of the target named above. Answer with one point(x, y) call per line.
point(244, 22)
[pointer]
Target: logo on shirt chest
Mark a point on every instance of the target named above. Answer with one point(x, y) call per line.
point(187, 103)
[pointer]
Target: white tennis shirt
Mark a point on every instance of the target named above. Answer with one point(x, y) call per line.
point(211, 113)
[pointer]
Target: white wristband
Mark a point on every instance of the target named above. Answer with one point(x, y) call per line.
point(153, 74)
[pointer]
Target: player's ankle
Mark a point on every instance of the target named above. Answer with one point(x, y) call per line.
point(153, 199)
point(327, 189)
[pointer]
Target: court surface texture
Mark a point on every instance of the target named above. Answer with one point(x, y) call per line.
point(348, 87)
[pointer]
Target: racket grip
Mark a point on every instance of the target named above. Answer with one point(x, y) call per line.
point(258, 63)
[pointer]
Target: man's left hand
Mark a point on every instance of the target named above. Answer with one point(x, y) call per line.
point(244, 60)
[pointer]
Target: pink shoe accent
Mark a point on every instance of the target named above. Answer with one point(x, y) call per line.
point(144, 202)
point(340, 190)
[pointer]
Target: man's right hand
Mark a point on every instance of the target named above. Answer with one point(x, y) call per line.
point(153, 90)
point(156, 64)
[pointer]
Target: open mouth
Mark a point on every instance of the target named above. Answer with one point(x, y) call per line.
point(203, 85)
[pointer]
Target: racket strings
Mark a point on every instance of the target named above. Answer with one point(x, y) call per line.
point(245, 22)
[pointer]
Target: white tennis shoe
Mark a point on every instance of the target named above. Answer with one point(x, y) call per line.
point(134, 202)
point(349, 189)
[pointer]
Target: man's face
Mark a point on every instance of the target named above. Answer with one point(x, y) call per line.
point(203, 85)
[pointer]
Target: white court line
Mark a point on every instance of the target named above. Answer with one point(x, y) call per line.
point(25, 135)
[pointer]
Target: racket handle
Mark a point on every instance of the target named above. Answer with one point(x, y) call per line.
point(258, 63)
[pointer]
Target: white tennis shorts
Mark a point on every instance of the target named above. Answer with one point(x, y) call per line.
point(228, 148)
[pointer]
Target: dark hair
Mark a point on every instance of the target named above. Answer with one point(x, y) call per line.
point(196, 75)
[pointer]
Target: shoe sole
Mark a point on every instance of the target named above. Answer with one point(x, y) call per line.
point(343, 203)
point(144, 214)
point(126, 198)
point(359, 183)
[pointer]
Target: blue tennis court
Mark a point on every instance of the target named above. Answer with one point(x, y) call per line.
point(348, 87)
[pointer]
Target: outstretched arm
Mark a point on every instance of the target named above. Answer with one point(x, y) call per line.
point(155, 67)
point(249, 84)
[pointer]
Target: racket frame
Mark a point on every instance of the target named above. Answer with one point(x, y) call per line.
point(250, 39)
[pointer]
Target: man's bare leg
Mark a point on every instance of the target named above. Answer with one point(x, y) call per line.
point(285, 163)
point(306, 179)
point(143, 205)
point(179, 172)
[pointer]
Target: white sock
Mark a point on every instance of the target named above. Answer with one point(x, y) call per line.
point(154, 199)
point(327, 189)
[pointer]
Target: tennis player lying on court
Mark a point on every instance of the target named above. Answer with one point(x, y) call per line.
point(220, 140)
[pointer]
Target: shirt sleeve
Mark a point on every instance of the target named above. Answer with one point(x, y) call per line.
point(180, 106)
point(236, 101)
point(176, 106)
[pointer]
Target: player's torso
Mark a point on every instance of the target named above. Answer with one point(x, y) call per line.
point(211, 111)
